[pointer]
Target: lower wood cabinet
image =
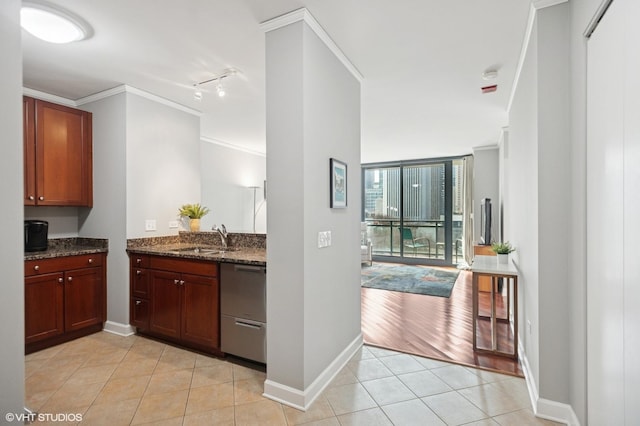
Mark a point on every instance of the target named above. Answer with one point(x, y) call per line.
point(65, 298)
point(176, 299)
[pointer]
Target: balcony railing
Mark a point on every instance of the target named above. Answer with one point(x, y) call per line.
point(428, 238)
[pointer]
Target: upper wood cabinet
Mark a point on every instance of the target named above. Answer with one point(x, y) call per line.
point(58, 159)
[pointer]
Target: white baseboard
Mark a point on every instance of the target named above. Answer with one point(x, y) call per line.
point(119, 329)
point(545, 408)
point(302, 400)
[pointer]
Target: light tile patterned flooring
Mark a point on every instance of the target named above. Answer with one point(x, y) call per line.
point(114, 380)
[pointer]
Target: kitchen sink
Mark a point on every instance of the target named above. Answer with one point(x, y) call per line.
point(204, 250)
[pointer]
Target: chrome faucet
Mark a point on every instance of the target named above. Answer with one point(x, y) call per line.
point(223, 234)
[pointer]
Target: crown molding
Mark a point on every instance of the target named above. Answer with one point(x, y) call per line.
point(48, 97)
point(484, 148)
point(144, 94)
point(541, 4)
point(232, 146)
point(106, 94)
point(304, 15)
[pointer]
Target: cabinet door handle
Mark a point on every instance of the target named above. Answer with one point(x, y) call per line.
point(90, 261)
point(176, 282)
point(41, 198)
point(138, 302)
point(138, 260)
point(60, 280)
point(70, 279)
point(36, 268)
point(138, 272)
point(181, 282)
point(31, 198)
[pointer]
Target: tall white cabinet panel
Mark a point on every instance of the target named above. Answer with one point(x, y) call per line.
point(613, 229)
point(632, 212)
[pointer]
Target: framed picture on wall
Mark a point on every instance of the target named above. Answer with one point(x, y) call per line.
point(338, 183)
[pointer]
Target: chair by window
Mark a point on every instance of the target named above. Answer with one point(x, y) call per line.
point(415, 243)
point(366, 248)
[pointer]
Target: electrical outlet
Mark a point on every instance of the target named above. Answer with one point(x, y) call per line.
point(529, 326)
point(328, 238)
point(173, 224)
point(150, 225)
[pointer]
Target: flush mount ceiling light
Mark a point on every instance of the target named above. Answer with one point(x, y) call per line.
point(218, 79)
point(52, 24)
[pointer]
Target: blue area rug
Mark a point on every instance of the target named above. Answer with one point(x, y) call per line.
point(409, 279)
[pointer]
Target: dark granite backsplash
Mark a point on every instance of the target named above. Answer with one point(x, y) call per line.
point(210, 239)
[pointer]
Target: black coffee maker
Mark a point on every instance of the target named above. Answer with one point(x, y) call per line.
point(36, 233)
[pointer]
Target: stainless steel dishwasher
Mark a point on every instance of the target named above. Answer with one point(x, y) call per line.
point(243, 308)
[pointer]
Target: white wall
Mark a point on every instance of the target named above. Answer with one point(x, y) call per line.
point(521, 199)
point(536, 212)
point(332, 275)
point(63, 221)
point(11, 214)
point(107, 218)
point(227, 175)
point(485, 185)
point(163, 164)
point(553, 203)
point(313, 114)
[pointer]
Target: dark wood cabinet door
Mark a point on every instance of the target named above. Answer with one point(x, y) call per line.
point(200, 310)
point(83, 298)
point(63, 161)
point(28, 117)
point(139, 313)
point(164, 317)
point(43, 307)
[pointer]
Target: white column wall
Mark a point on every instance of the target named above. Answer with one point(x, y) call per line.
point(107, 218)
point(11, 213)
point(536, 203)
point(313, 310)
point(553, 203)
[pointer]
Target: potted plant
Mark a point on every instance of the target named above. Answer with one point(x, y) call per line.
point(502, 251)
point(194, 212)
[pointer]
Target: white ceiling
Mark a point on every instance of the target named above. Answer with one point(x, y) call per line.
point(422, 62)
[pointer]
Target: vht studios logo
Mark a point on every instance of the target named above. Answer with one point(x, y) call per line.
point(43, 417)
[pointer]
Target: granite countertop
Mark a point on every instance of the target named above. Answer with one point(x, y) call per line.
point(241, 255)
point(246, 249)
point(60, 247)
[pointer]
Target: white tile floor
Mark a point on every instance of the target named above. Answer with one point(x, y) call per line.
point(116, 380)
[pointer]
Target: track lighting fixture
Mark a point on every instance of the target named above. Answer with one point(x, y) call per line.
point(220, 89)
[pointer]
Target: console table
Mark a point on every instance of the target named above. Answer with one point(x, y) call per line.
point(506, 342)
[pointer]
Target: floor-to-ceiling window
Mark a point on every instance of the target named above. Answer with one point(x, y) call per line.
point(413, 210)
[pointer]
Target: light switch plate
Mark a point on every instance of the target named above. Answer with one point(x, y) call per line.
point(150, 225)
point(324, 239)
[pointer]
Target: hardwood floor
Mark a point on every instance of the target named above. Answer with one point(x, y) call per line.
point(435, 327)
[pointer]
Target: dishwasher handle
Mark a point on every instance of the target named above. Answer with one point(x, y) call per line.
point(248, 324)
point(249, 268)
